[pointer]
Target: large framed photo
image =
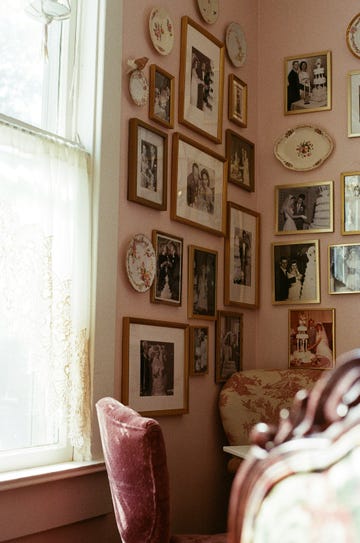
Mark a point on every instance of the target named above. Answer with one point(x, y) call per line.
point(237, 101)
point(202, 283)
point(240, 154)
point(155, 378)
point(229, 341)
point(242, 250)
point(304, 208)
point(167, 285)
point(201, 80)
point(312, 338)
point(344, 268)
point(350, 203)
point(354, 104)
point(307, 80)
point(161, 96)
point(295, 273)
point(199, 350)
point(199, 187)
point(147, 176)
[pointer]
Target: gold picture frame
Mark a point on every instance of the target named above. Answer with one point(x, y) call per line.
point(202, 283)
point(240, 154)
point(199, 350)
point(167, 285)
point(350, 203)
point(229, 344)
point(344, 268)
point(353, 78)
point(237, 100)
point(161, 96)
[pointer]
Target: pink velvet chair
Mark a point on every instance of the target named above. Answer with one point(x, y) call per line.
point(135, 458)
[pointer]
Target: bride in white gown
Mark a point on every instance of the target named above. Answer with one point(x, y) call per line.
point(287, 210)
point(321, 344)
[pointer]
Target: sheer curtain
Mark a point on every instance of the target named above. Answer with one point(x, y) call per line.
point(44, 292)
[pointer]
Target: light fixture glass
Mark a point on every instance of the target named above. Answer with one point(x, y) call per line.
point(49, 10)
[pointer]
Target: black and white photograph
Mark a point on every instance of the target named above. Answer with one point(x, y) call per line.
point(240, 153)
point(157, 368)
point(202, 283)
point(202, 81)
point(344, 268)
point(199, 350)
point(237, 101)
point(228, 345)
point(200, 187)
point(167, 286)
point(161, 96)
point(353, 104)
point(296, 277)
point(304, 208)
point(350, 203)
point(148, 165)
point(243, 247)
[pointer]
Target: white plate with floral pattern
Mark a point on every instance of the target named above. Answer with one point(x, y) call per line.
point(139, 88)
point(140, 263)
point(303, 148)
point(161, 30)
point(209, 10)
point(236, 46)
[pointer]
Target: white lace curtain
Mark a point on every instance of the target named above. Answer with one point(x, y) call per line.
point(44, 290)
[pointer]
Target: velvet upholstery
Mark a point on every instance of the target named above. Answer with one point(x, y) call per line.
point(135, 458)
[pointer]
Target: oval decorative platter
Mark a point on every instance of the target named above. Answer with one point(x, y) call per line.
point(140, 263)
point(353, 35)
point(236, 44)
point(139, 88)
point(303, 148)
point(161, 30)
point(209, 10)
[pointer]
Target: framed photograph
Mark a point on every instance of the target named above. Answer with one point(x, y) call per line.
point(344, 268)
point(350, 203)
point(155, 377)
point(229, 341)
point(199, 350)
point(295, 272)
point(161, 96)
point(240, 154)
point(237, 100)
point(354, 104)
point(198, 186)
point(201, 81)
point(167, 285)
point(307, 80)
point(305, 208)
point(312, 338)
point(202, 283)
point(242, 251)
point(147, 175)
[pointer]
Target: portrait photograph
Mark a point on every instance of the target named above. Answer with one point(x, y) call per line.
point(307, 80)
point(311, 338)
point(350, 203)
point(202, 281)
point(167, 285)
point(199, 350)
point(240, 154)
point(229, 340)
point(304, 208)
point(344, 268)
point(237, 101)
point(161, 96)
point(354, 104)
point(296, 276)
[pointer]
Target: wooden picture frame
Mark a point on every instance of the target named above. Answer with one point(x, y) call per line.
point(304, 208)
point(344, 268)
point(350, 203)
point(311, 338)
point(307, 83)
point(201, 80)
point(167, 284)
point(156, 381)
point(240, 154)
point(353, 78)
point(237, 101)
point(229, 344)
point(202, 283)
point(242, 257)
point(161, 96)
point(199, 350)
point(295, 272)
point(198, 185)
point(147, 166)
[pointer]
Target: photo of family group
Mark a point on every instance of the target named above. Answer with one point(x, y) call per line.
point(200, 187)
point(157, 368)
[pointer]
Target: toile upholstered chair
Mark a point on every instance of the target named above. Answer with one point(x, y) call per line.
point(135, 459)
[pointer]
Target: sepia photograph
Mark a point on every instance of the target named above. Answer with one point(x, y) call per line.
point(344, 268)
point(167, 285)
point(199, 350)
point(237, 101)
point(161, 96)
point(240, 153)
point(202, 283)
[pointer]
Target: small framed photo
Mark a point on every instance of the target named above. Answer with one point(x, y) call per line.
point(350, 203)
point(295, 271)
point(147, 175)
point(354, 104)
point(229, 341)
point(242, 251)
point(344, 268)
point(167, 285)
point(240, 154)
point(307, 81)
point(202, 283)
point(198, 186)
point(201, 80)
point(199, 350)
point(305, 208)
point(161, 96)
point(312, 338)
point(237, 101)
point(156, 381)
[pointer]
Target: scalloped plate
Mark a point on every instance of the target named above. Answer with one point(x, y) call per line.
point(141, 263)
point(303, 148)
point(161, 30)
point(236, 46)
point(139, 88)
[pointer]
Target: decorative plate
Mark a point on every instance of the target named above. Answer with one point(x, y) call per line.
point(161, 30)
point(236, 44)
point(140, 263)
point(209, 10)
point(303, 148)
point(353, 35)
point(139, 88)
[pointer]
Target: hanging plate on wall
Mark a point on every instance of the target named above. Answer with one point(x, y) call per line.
point(141, 263)
point(236, 46)
point(161, 30)
point(209, 10)
point(139, 88)
point(353, 35)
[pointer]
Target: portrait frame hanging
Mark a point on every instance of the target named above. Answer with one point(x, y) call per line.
point(344, 268)
point(350, 203)
point(237, 100)
point(198, 350)
point(202, 283)
point(240, 154)
point(161, 96)
point(229, 344)
point(353, 104)
point(167, 285)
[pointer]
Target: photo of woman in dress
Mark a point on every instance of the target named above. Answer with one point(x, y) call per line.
point(157, 368)
point(203, 278)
